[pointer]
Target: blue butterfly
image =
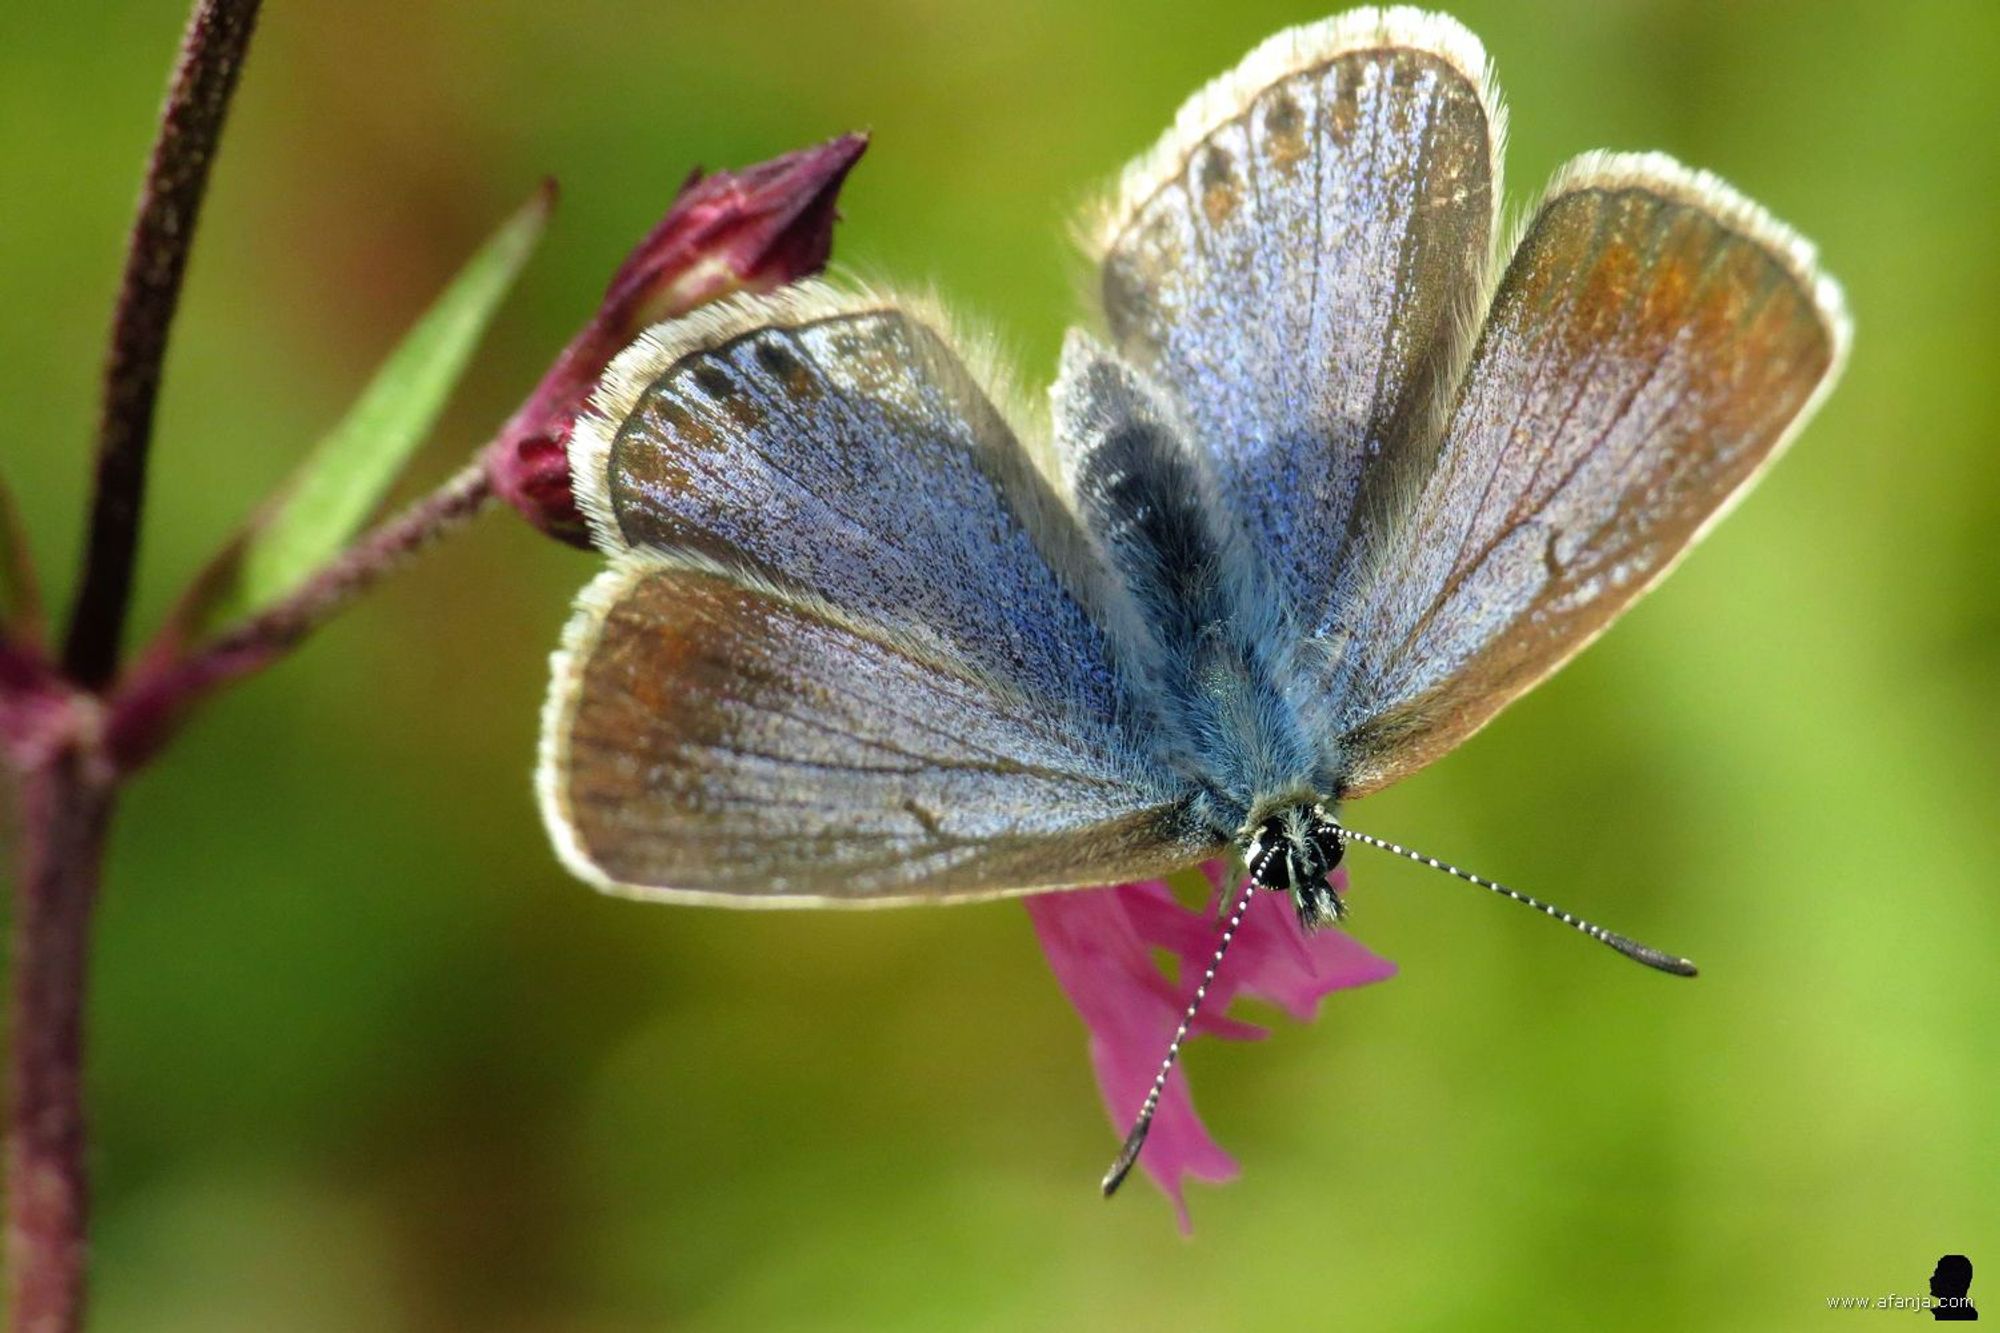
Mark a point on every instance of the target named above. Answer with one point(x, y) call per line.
point(1333, 481)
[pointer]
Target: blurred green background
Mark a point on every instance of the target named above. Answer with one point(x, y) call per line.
point(363, 1058)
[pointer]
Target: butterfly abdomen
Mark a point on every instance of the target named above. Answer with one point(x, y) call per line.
point(1209, 655)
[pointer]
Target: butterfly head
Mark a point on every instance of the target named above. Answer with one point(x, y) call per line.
point(1294, 849)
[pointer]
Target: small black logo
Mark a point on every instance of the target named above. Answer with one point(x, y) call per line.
point(1951, 1280)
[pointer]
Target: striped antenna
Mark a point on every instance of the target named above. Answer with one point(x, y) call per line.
point(1136, 1140)
point(1631, 948)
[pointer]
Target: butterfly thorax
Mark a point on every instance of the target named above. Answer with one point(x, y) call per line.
point(1294, 849)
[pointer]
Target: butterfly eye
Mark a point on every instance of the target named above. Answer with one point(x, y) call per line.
point(1267, 856)
point(1331, 847)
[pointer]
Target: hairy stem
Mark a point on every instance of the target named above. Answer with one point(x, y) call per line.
point(64, 811)
point(380, 551)
point(163, 687)
point(169, 204)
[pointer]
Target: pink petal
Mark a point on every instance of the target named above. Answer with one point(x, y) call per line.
point(1099, 943)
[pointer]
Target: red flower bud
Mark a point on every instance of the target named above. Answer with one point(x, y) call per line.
point(751, 230)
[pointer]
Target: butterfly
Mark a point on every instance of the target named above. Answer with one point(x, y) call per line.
point(1334, 478)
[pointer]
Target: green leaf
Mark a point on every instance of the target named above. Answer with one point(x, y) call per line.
point(343, 480)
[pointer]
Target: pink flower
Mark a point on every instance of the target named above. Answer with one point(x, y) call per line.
point(734, 231)
point(1099, 942)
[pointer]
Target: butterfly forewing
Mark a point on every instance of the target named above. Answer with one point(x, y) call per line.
point(839, 444)
point(1299, 264)
point(850, 636)
point(1653, 342)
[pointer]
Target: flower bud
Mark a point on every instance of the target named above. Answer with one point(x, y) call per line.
point(734, 231)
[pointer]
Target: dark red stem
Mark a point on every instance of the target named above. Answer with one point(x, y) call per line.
point(165, 684)
point(51, 730)
point(64, 811)
point(169, 203)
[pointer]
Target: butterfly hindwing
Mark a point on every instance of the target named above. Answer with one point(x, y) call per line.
point(712, 739)
point(1653, 343)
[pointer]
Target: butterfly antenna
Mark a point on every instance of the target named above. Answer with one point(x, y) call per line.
point(1136, 1140)
point(1637, 952)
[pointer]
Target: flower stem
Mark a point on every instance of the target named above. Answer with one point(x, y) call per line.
point(211, 56)
point(380, 551)
point(165, 685)
point(65, 804)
